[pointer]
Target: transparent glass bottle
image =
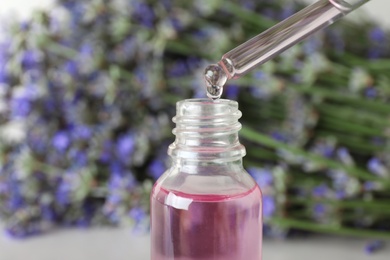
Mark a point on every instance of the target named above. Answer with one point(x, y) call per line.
point(206, 206)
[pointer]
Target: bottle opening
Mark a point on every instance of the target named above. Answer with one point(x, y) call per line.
point(206, 111)
point(207, 130)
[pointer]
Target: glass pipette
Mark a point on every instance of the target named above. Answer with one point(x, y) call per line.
point(275, 40)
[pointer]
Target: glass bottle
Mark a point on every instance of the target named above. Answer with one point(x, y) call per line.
point(206, 206)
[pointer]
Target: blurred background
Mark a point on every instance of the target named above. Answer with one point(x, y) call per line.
point(88, 90)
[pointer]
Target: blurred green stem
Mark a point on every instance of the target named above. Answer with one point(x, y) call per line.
point(328, 229)
point(262, 139)
point(374, 205)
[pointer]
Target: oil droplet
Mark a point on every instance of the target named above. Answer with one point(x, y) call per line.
point(215, 78)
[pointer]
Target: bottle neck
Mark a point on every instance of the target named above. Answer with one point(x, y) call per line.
point(207, 131)
point(207, 167)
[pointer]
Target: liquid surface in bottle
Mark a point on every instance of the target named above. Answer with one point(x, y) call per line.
point(206, 227)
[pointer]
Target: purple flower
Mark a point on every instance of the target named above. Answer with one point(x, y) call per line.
point(4, 189)
point(48, 213)
point(22, 101)
point(106, 153)
point(324, 149)
point(81, 132)
point(377, 167)
point(312, 45)
point(3, 62)
point(372, 186)
point(144, 14)
point(269, 13)
point(375, 53)
point(319, 210)
point(138, 214)
point(16, 200)
point(232, 91)
point(378, 40)
point(336, 39)
point(320, 191)
point(49, 105)
point(287, 11)
point(377, 34)
point(31, 59)
point(86, 50)
point(78, 157)
point(3, 74)
point(61, 141)
point(17, 231)
point(76, 9)
point(64, 192)
point(374, 246)
point(114, 198)
point(156, 168)
point(112, 214)
point(121, 178)
point(248, 4)
point(125, 51)
point(176, 23)
point(344, 156)
point(280, 136)
point(141, 75)
point(71, 68)
point(178, 68)
point(340, 194)
point(269, 206)
point(125, 147)
point(20, 106)
point(340, 178)
point(37, 137)
point(371, 92)
point(263, 177)
point(83, 222)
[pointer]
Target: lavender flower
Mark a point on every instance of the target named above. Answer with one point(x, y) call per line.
point(71, 67)
point(321, 191)
point(78, 157)
point(81, 132)
point(20, 106)
point(125, 146)
point(377, 167)
point(178, 69)
point(138, 214)
point(344, 156)
point(144, 14)
point(378, 38)
point(16, 200)
point(262, 176)
point(3, 62)
point(374, 246)
point(31, 59)
point(371, 92)
point(106, 152)
point(319, 211)
point(232, 92)
point(269, 206)
point(61, 141)
point(157, 168)
point(336, 39)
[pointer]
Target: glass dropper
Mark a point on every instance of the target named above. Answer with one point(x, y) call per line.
point(275, 40)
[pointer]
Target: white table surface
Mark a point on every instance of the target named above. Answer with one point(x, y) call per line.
point(121, 244)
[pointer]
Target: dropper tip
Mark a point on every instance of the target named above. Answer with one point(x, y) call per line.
point(215, 78)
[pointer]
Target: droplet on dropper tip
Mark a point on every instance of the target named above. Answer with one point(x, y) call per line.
point(214, 92)
point(215, 78)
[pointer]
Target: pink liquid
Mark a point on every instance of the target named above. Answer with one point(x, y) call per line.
point(206, 227)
